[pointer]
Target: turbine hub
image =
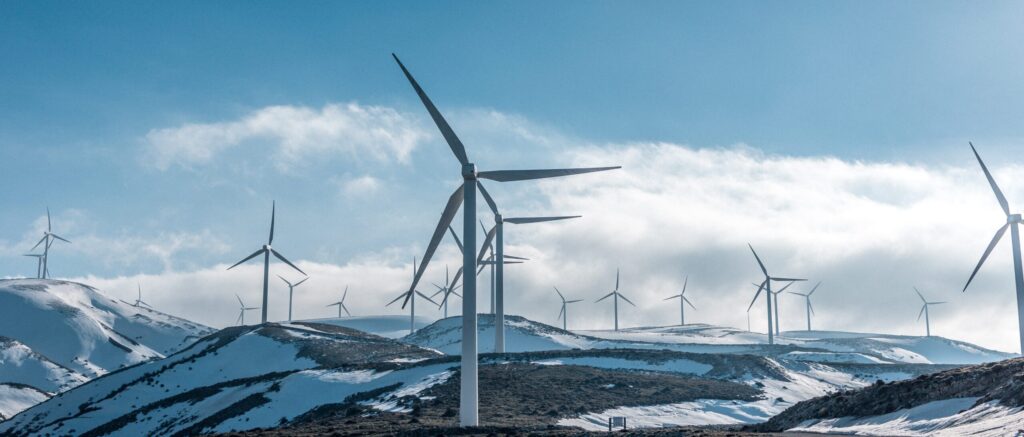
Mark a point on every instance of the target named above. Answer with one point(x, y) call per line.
point(469, 171)
point(1014, 218)
point(497, 218)
point(266, 247)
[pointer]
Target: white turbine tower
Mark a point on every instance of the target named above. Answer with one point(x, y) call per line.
point(807, 300)
point(410, 297)
point(39, 263)
point(341, 304)
point(266, 250)
point(767, 284)
point(564, 313)
point(291, 291)
point(924, 311)
point(775, 297)
point(466, 193)
point(241, 311)
point(617, 296)
point(139, 302)
point(1012, 221)
point(49, 238)
point(683, 301)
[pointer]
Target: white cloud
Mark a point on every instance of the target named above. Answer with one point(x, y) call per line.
point(360, 186)
point(294, 132)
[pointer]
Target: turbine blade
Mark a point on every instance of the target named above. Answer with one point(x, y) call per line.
point(605, 297)
point(815, 288)
point(346, 310)
point(811, 307)
point(405, 295)
point(523, 175)
point(487, 242)
point(627, 300)
point(560, 312)
point(487, 198)
point(345, 294)
point(920, 295)
point(454, 202)
point(285, 281)
point(616, 279)
point(559, 293)
point(455, 280)
point(41, 240)
point(992, 182)
point(984, 256)
point(247, 258)
point(783, 288)
point(922, 312)
point(456, 237)
point(300, 282)
point(515, 257)
point(759, 263)
point(48, 223)
point(685, 281)
point(239, 300)
point(449, 135)
point(759, 288)
point(674, 297)
point(282, 258)
point(689, 303)
point(273, 213)
point(787, 279)
point(574, 301)
point(521, 220)
point(798, 294)
point(59, 238)
point(936, 303)
point(427, 298)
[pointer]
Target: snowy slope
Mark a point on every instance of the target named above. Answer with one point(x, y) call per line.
point(384, 326)
point(238, 378)
point(20, 365)
point(15, 398)
point(77, 327)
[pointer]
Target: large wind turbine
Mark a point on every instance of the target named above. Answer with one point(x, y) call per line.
point(411, 296)
point(767, 284)
point(1012, 220)
point(466, 193)
point(924, 311)
point(499, 279)
point(807, 300)
point(291, 290)
point(266, 250)
point(341, 304)
point(48, 237)
point(39, 263)
point(139, 302)
point(683, 301)
point(241, 311)
point(617, 296)
point(564, 313)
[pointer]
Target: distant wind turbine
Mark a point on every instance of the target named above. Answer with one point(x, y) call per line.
point(48, 237)
point(775, 297)
point(466, 193)
point(446, 289)
point(139, 302)
point(341, 304)
point(767, 284)
point(291, 290)
point(489, 261)
point(410, 296)
point(617, 296)
point(241, 311)
point(266, 250)
point(683, 301)
point(924, 311)
point(39, 263)
point(564, 313)
point(1012, 221)
point(807, 299)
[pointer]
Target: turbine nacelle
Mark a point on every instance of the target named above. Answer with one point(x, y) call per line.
point(1014, 218)
point(469, 172)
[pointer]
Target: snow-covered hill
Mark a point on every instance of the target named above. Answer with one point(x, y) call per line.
point(389, 326)
point(20, 365)
point(523, 335)
point(16, 397)
point(238, 378)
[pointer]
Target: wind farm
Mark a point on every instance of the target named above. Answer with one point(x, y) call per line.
point(508, 158)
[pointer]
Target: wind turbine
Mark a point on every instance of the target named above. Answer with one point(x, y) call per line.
point(241, 311)
point(767, 284)
point(266, 250)
point(498, 232)
point(466, 193)
point(807, 299)
point(564, 313)
point(924, 311)
point(341, 304)
point(617, 297)
point(775, 297)
point(39, 263)
point(291, 289)
point(449, 287)
point(411, 295)
point(490, 261)
point(1012, 221)
point(683, 301)
point(48, 237)
point(139, 301)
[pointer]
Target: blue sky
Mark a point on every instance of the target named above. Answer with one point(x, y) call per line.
point(86, 90)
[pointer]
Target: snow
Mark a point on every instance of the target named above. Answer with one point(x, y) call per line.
point(675, 366)
point(385, 326)
point(16, 398)
point(948, 417)
point(19, 364)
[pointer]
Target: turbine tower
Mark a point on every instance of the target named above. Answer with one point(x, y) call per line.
point(241, 311)
point(807, 300)
point(1012, 221)
point(39, 263)
point(767, 284)
point(775, 297)
point(564, 313)
point(683, 301)
point(411, 296)
point(617, 296)
point(49, 238)
point(291, 290)
point(924, 311)
point(466, 193)
point(266, 250)
point(341, 304)
point(139, 301)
